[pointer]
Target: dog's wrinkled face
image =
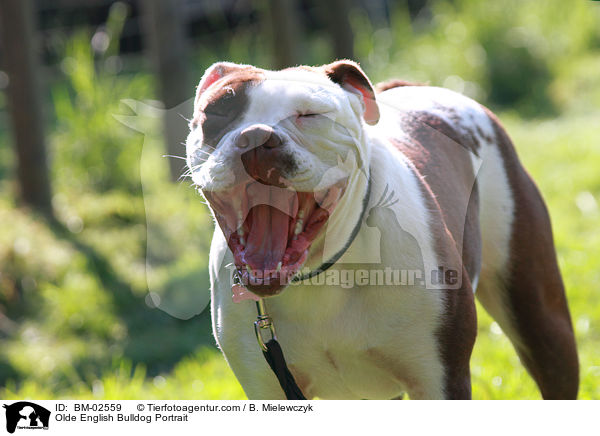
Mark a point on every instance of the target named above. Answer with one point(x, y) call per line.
point(273, 152)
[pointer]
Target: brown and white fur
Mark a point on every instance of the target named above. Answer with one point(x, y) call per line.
point(463, 196)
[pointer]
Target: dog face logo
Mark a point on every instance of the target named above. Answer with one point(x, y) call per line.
point(26, 415)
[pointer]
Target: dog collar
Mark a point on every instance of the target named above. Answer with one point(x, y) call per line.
point(326, 265)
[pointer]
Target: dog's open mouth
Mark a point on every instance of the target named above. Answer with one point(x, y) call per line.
point(270, 230)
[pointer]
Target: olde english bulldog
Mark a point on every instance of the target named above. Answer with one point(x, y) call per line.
point(368, 218)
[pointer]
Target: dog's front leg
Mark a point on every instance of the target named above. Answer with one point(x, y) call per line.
point(234, 331)
point(255, 376)
point(441, 370)
point(243, 354)
point(456, 338)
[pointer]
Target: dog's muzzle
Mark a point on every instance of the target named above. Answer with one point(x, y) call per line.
point(269, 226)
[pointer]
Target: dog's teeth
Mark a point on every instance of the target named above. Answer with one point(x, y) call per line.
point(305, 210)
point(299, 226)
point(279, 266)
point(240, 229)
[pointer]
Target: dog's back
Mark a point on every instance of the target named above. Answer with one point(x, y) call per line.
point(471, 174)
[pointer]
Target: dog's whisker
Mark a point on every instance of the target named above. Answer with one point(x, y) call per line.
point(195, 167)
point(189, 120)
point(203, 152)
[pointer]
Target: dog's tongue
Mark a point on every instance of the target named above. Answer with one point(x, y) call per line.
point(267, 238)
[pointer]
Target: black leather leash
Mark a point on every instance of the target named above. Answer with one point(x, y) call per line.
point(274, 355)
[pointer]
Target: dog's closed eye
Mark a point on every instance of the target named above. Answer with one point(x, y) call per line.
point(310, 116)
point(217, 114)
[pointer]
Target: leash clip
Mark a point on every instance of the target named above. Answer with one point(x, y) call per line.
point(274, 355)
point(263, 322)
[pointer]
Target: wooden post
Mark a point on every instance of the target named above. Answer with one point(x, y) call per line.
point(164, 29)
point(25, 102)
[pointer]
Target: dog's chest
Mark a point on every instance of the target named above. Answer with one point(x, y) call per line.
point(355, 343)
point(367, 342)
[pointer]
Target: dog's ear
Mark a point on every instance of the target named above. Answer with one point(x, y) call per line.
point(352, 78)
point(215, 72)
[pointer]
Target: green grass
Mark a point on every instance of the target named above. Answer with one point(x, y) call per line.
point(202, 376)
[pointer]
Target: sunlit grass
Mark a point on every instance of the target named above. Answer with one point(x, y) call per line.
point(203, 376)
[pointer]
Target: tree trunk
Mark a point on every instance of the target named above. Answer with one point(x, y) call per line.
point(25, 102)
point(164, 29)
point(415, 7)
point(336, 16)
point(283, 19)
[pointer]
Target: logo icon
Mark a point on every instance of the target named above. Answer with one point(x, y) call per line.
point(26, 415)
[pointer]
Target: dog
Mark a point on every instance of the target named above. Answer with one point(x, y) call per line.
point(368, 218)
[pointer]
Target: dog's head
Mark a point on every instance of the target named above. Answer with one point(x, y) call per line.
point(277, 154)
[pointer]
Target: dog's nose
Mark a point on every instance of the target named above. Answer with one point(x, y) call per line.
point(263, 158)
point(258, 135)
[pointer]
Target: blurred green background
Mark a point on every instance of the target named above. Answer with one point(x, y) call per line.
point(76, 318)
